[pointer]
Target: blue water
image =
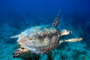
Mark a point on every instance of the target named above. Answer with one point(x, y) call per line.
point(19, 15)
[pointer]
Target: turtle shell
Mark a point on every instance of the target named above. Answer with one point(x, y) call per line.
point(40, 39)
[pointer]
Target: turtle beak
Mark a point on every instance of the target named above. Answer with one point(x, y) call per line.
point(15, 55)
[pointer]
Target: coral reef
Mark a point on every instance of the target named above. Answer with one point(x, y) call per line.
point(65, 51)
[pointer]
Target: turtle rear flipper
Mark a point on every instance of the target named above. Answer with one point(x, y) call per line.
point(16, 36)
point(65, 32)
point(71, 40)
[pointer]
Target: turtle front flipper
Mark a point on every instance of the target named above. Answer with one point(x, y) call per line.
point(71, 40)
point(19, 52)
point(55, 23)
point(65, 32)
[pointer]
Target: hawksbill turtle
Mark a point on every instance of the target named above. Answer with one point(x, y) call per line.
point(41, 39)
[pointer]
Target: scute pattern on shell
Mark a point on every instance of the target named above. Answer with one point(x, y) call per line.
point(40, 39)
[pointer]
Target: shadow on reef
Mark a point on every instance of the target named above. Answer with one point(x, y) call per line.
point(32, 56)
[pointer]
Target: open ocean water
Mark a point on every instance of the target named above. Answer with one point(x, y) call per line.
point(18, 15)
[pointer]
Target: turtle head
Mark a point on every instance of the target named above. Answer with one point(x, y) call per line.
point(19, 52)
point(65, 32)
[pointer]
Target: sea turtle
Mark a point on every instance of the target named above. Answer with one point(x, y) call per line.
point(41, 39)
